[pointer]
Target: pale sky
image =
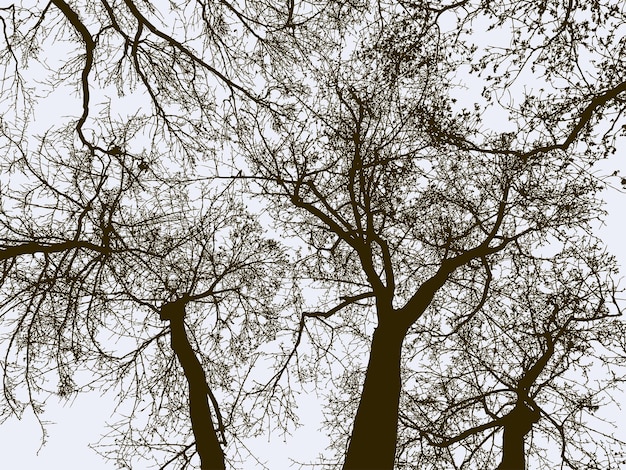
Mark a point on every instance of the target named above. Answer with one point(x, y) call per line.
point(81, 422)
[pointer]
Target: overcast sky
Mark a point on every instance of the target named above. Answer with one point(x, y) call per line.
point(73, 426)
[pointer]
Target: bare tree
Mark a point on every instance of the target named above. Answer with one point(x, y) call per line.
point(364, 125)
point(111, 224)
point(96, 254)
point(532, 365)
point(403, 196)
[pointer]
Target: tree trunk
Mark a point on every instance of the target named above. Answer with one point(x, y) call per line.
point(373, 441)
point(518, 424)
point(207, 443)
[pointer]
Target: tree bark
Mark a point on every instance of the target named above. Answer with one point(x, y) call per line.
point(373, 441)
point(519, 422)
point(207, 443)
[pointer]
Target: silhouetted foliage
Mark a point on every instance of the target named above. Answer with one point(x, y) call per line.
point(419, 156)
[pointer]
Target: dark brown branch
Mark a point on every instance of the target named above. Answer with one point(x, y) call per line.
point(32, 248)
point(181, 453)
point(465, 434)
point(188, 53)
point(483, 299)
point(90, 46)
point(585, 117)
point(346, 301)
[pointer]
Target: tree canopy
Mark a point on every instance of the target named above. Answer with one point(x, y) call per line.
point(210, 205)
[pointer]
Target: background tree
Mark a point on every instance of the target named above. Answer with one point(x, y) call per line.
point(105, 265)
point(117, 215)
point(525, 373)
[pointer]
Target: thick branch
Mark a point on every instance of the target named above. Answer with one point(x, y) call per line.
point(188, 53)
point(346, 302)
point(465, 434)
point(585, 117)
point(90, 46)
point(32, 248)
point(417, 304)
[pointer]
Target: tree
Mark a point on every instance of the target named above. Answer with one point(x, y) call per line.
point(78, 235)
point(85, 259)
point(523, 368)
point(355, 125)
point(403, 196)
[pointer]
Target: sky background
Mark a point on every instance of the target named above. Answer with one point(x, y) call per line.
point(72, 426)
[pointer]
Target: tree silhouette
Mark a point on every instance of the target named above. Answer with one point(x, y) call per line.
point(95, 281)
point(108, 222)
point(525, 364)
point(380, 172)
point(406, 155)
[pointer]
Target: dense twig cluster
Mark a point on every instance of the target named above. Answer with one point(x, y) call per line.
point(248, 196)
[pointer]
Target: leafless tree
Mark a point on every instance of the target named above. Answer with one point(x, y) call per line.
point(111, 274)
point(527, 372)
point(113, 219)
point(366, 129)
point(404, 197)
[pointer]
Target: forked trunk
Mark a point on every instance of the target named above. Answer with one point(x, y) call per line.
point(207, 443)
point(373, 441)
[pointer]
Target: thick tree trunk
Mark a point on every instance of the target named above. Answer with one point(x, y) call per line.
point(513, 457)
point(373, 441)
point(519, 423)
point(207, 443)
